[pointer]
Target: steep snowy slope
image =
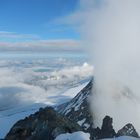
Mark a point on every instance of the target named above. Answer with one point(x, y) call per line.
point(78, 110)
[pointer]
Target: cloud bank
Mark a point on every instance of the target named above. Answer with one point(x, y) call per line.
point(41, 45)
point(111, 33)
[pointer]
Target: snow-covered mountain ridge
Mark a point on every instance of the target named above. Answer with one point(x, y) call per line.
point(73, 116)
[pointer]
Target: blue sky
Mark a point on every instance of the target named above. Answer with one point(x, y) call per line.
point(38, 21)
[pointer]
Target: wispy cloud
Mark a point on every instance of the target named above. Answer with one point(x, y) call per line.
point(10, 41)
point(6, 34)
point(41, 45)
point(72, 20)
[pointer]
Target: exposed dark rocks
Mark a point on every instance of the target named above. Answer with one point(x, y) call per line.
point(45, 124)
point(106, 130)
point(128, 130)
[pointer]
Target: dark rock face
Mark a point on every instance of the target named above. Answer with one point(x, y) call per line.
point(107, 130)
point(128, 130)
point(45, 124)
point(78, 109)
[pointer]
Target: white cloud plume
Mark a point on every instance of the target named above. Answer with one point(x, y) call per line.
point(111, 32)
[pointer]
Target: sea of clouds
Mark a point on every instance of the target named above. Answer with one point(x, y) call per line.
point(25, 82)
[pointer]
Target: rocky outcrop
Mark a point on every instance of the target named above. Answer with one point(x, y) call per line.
point(46, 124)
point(106, 130)
point(128, 130)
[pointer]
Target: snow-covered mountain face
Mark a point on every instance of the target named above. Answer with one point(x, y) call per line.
point(30, 81)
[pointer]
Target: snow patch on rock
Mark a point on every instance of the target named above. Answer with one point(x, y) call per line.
point(81, 122)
